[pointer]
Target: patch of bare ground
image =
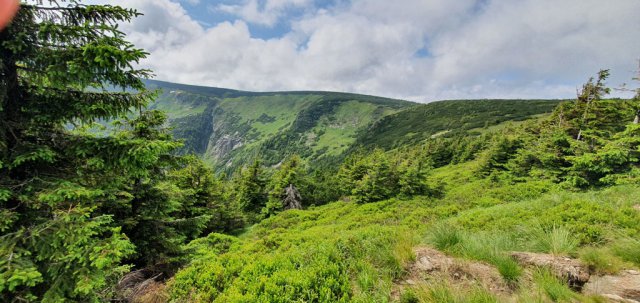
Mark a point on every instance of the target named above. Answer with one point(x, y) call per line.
point(434, 266)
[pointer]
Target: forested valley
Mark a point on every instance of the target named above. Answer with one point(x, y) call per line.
point(116, 188)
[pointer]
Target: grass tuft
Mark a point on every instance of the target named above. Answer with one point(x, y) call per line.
point(555, 289)
point(628, 250)
point(557, 240)
point(446, 238)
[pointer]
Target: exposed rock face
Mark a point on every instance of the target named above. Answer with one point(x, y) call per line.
point(571, 270)
point(624, 287)
point(222, 139)
point(219, 147)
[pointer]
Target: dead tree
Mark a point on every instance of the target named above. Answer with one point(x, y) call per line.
point(292, 198)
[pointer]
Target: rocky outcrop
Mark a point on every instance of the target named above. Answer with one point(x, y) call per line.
point(570, 270)
point(220, 147)
point(431, 263)
point(624, 287)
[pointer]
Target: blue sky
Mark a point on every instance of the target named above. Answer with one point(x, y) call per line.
point(420, 50)
point(208, 15)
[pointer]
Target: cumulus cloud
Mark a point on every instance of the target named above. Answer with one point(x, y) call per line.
point(266, 12)
point(420, 50)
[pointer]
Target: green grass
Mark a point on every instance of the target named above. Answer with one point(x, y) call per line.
point(443, 292)
point(339, 131)
point(556, 240)
point(487, 247)
point(601, 260)
point(283, 108)
point(555, 289)
point(345, 252)
point(628, 249)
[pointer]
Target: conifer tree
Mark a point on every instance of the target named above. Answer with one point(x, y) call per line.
point(285, 187)
point(250, 188)
point(58, 238)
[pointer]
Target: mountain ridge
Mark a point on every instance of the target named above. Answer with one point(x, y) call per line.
point(230, 128)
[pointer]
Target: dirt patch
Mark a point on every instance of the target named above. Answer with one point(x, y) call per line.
point(637, 207)
point(624, 287)
point(433, 266)
point(570, 270)
point(142, 286)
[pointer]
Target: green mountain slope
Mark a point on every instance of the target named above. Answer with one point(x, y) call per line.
point(421, 122)
point(229, 128)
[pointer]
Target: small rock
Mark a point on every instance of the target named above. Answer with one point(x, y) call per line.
point(410, 282)
point(425, 264)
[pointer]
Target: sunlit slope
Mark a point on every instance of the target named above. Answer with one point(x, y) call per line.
point(229, 128)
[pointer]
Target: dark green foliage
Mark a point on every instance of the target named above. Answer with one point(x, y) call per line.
point(499, 152)
point(250, 188)
point(419, 123)
point(584, 143)
point(292, 173)
point(379, 176)
point(204, 196)
point(56, 243)
point(194, 130)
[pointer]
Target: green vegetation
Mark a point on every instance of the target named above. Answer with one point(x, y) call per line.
point(496, 193)
point(230, 128)
point(419, 123)
point(312, 197)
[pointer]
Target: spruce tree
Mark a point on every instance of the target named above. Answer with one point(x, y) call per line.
point(58, 238)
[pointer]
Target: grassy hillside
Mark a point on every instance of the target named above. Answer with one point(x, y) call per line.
point(345, 252)
point(230, 128)
point(421, 122)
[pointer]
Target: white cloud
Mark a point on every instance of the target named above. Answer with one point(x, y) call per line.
point(265, 12)
point(503, 48)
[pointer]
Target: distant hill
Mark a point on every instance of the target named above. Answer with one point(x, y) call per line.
point(422, 122)
point(228, 127)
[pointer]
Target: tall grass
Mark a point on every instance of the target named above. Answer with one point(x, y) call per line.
point(554, 288)
point(443, 292)
point(556, 240)
point(628, 249)
point(483, 246)
point(446, 238)
point(601, 260)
